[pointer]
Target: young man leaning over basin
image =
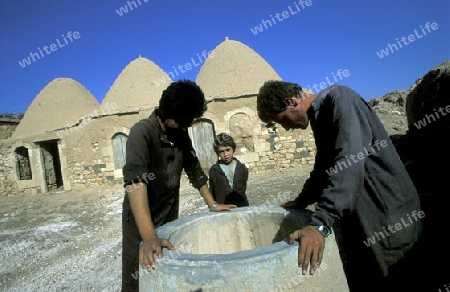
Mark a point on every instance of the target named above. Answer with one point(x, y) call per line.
point(158, 148)
point(369, 192)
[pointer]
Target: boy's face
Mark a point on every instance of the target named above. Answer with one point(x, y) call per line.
point(225, 153)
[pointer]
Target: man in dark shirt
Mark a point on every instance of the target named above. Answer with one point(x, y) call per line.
point(359, 185)
point(158, 149)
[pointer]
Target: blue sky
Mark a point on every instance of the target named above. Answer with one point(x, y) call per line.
point(308, 45)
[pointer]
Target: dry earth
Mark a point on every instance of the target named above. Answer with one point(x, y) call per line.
point(71, 241)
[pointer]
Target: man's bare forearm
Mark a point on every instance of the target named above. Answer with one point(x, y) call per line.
point(206, 194)
point(141, 210)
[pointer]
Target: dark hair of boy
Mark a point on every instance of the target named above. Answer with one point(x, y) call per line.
point(223, 139)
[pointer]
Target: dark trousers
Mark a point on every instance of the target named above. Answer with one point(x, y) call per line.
point(362, 270)
point(131, 240)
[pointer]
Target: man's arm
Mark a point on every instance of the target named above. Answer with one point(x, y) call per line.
point(243, 188)
point(207, 196)
point(151, 243)
point(211, 181)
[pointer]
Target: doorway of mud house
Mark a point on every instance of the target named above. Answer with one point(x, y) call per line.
point(202, 134)
point(51, 165)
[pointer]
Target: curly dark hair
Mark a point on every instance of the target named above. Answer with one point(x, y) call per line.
point(183, 101)
point(270, 99)
point(223, 139)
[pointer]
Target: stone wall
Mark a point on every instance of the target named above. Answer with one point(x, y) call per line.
point(6, 184)
point(271, 149)
point(89, 156)
point(283, 149)
point(8, 124)
point(6, 130)
point(89, 175)
point(9, 177)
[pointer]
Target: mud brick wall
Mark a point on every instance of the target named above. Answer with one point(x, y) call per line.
point(8, 185)
point(85, 175)
point(281, 149)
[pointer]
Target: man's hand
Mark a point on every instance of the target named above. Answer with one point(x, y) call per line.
point(223, 207)
point(291, 205)
point(207, 196)
point(310, 250)
point(149, 247)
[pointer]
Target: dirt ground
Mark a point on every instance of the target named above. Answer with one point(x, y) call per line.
point(71, 240)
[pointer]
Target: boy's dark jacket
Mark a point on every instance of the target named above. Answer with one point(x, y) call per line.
point(220, 188)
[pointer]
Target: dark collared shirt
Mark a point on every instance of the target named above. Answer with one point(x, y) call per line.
point(157, 162)
point(358, 177)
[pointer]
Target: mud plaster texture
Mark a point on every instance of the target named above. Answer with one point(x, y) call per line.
point(71, 241)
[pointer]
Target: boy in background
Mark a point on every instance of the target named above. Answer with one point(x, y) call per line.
point(228, 177)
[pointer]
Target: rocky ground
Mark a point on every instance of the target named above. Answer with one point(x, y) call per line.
point(71, 241)
point(391, 109)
